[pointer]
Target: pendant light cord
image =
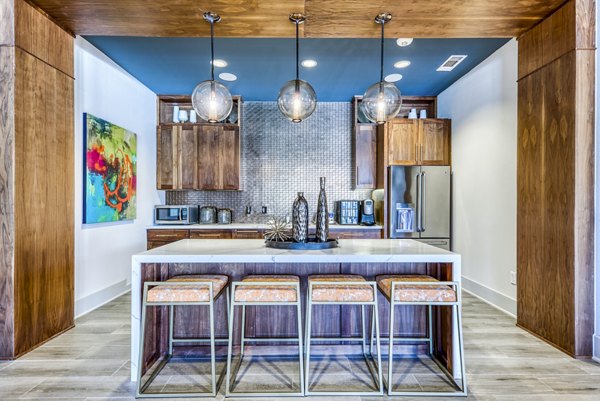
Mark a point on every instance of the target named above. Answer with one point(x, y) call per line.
point(297, 53)
point(212, 52)
point(382, 36)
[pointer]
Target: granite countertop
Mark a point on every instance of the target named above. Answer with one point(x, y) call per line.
point(255, 251)
point(251, 226)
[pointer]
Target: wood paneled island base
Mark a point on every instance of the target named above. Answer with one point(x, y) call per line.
point(239, 258)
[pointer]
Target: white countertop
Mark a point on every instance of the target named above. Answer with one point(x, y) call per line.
point(251, 226)
point(255, 251)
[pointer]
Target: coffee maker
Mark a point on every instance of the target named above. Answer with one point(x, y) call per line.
point(367, 212)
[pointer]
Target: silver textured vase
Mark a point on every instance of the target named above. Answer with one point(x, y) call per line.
point(322, 214)
point(300, 219)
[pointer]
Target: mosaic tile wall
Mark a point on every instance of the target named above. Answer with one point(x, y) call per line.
point(280, 158)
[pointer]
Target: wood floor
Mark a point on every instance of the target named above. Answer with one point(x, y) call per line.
point(91, 362)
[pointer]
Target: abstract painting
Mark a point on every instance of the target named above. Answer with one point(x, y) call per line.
point(109, 172)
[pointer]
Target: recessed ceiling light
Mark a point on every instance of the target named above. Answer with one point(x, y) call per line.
point(403, 42)
point(220, 63)
point(402, 64)
point(393, 78)
point(309, 63)
point(227, 76)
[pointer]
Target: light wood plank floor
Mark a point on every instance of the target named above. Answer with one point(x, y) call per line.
point(91, 362)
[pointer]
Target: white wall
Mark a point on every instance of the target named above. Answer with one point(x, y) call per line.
point(483, 109)
point(103, 251)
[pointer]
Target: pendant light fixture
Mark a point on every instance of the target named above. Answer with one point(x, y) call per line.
point(211, 99)
point(382, 101)
point(297, 100)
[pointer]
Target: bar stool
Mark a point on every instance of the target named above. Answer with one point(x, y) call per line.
point(186, 290)
point(263, 290)
point(423, 290)
point(338, 289)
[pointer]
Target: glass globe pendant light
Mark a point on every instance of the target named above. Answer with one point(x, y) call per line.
point(297, 100)
point(382, 101)
point(211, 99)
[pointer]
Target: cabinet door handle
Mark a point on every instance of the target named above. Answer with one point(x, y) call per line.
point(246, 232)
point(207, 235)
point(166, 235)
point(417, 152)
point(421, 152)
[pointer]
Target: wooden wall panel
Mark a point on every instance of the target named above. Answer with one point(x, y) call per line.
point(530, 51)
point(556, 180)
point(530, 227)
point(556, 278)
point(584, 200)
point(7, 133)
point(585, 24)
point(36, 179)
point(7, 23)
point(569, 28)
point(44, 265)
point(39, 36)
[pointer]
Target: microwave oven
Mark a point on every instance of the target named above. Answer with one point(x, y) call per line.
point(176, 214)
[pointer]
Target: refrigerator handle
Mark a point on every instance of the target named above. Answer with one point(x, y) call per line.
point(423, 196)
point(418, 229)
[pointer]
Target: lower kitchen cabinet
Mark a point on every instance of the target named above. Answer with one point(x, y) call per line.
point(160, 237)
point(355, 234)
point(248, 234)
point(210, 234)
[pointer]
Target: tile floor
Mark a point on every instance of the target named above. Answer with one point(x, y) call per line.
point(91, 362)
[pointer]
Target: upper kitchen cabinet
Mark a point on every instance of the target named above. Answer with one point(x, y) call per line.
point(218, 151)
point(414, 142)
point(402, 141)
point(434, 142)
point(196, 155)
point(365, 150)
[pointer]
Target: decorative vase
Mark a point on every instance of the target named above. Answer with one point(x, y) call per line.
point(322, 214)
point(300, 219)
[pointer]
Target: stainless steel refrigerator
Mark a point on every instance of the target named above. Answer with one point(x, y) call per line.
point(419, 203)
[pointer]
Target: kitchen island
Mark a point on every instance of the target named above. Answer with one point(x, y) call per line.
point(238, 258)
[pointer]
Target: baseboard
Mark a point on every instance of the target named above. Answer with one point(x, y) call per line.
point(498, 300)
point(596, 356)
point(94, 301)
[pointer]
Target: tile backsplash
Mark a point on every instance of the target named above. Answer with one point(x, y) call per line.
point(280, 158)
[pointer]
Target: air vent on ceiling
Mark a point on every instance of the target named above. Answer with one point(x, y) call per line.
point(451, 63)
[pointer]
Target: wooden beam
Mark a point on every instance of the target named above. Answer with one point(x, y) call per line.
point(325, 18)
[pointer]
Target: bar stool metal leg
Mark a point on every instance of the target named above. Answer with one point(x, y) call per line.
point(232, 369)
point(212, 297)
point(457, 314)
point(243, 340)
point(363, 339)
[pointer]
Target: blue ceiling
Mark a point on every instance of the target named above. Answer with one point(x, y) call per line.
point(346, 67)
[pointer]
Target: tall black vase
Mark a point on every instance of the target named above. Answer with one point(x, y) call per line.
point(300, 219)
point(322, 214)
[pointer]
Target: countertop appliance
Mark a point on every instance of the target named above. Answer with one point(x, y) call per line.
point(367, 212)
point(176, 214)
point(346, 211)
point(224, 216)
point(208, 215)
point(419, 203)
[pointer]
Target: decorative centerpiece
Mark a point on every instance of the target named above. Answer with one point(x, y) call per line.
point(278, 231)
point(278, 234)
point(300, 219)
point(322, 214)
